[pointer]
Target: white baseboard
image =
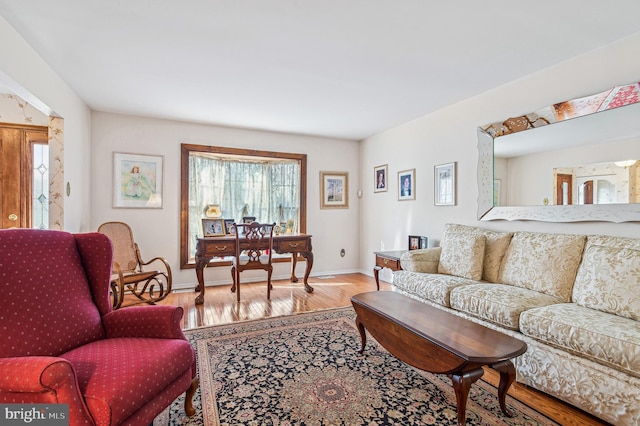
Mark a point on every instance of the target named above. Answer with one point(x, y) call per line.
point(190, 286)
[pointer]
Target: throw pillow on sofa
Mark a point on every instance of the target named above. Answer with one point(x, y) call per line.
point(495, 247)
point(608, 280)
point(462, 255)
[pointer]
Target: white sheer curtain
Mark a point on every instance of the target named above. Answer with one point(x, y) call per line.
point(236, 185)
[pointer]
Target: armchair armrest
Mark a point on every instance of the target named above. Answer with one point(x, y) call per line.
point(34, 373)
point(422, 260)
point(41, 380)
point(155, 259)
point(161, 322)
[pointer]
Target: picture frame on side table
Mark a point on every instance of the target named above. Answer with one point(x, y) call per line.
point(213, 227)
point(334, 190)
point(248, 219)
point(228, 226)
point(407, 185)
point(137, 180)
point(417, 242)
point(380, 174)
point(445, 184)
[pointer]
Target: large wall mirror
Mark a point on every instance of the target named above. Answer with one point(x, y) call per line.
point(577, 160)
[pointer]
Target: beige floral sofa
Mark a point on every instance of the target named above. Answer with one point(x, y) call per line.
point(574, 299)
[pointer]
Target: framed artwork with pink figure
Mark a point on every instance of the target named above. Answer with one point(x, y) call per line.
point(137, 180)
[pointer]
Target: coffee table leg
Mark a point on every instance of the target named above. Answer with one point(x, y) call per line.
point(461, 384)
point(507, 376)
point(363, 335)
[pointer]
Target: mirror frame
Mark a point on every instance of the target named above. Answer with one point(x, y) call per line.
point(554, 213)
point(572, 213)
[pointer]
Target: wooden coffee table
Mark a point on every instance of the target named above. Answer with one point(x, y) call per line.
point(438, 342)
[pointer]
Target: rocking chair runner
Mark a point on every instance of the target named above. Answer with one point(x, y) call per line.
point(254, 247)
point(128, 274)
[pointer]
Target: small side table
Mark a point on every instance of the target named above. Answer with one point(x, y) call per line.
point(387, 259)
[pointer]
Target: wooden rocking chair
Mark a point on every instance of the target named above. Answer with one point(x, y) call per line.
point(128, 273)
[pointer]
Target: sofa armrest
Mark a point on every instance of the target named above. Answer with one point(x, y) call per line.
point(42, 380)
point(160, 322)
point(422, 260)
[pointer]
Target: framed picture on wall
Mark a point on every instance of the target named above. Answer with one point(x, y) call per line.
point(137, 180)
point(380, 178)
point(445, 184)
point(334, 190)
point(407, 185)
point(497, 183)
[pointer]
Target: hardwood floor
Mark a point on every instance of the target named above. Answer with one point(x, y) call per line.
point(287, 298)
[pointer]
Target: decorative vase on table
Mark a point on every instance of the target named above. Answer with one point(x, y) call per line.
point(212, 210)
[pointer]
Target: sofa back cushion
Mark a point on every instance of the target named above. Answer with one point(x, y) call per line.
point(496, 244)
point(543, 262)
point(608, 279)
point(46, 307)
point(462, 255)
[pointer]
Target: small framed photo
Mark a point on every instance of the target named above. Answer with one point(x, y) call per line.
point(137, 181)
point(228, 226)
point(248, 219)
point(213, 227)
point(334, 190)
point(417, 242)
point(407, 185)
point(445, 184)
point(380, 178)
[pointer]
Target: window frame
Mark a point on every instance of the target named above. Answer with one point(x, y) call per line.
point(186, 149)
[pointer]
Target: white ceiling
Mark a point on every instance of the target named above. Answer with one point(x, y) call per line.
point(337, 68)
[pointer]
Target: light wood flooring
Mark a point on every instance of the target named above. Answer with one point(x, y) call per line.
point(287, 298)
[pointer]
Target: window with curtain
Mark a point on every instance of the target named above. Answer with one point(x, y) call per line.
point(266, 185)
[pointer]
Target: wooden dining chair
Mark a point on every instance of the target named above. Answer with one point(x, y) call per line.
point(130, 273)
point(254, 248)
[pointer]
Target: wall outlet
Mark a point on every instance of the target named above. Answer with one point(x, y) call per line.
point(381, 245)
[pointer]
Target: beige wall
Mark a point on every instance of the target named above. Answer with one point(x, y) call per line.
point(376, 221)
point(450, 135)
point(28, 76)
point(157, 230)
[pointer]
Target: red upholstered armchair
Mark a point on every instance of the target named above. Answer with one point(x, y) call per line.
point(61, 342)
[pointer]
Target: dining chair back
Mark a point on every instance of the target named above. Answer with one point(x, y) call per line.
point(254, 250)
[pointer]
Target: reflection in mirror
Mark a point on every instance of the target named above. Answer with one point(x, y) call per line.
point(553, 172)
point(601, 183)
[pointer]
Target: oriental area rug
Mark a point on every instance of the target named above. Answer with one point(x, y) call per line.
point(305, 370)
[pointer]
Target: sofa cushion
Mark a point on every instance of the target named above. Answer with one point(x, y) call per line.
point(498, 303)
point(421, 260)
point(433, 287)
point(609, 280)
point(608, 339)
point(543, 262)
point(496, 244)
point(462, 255)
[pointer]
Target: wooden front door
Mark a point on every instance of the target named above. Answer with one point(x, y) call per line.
point(16, 171)
point(564, 195)
point(588, 192)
